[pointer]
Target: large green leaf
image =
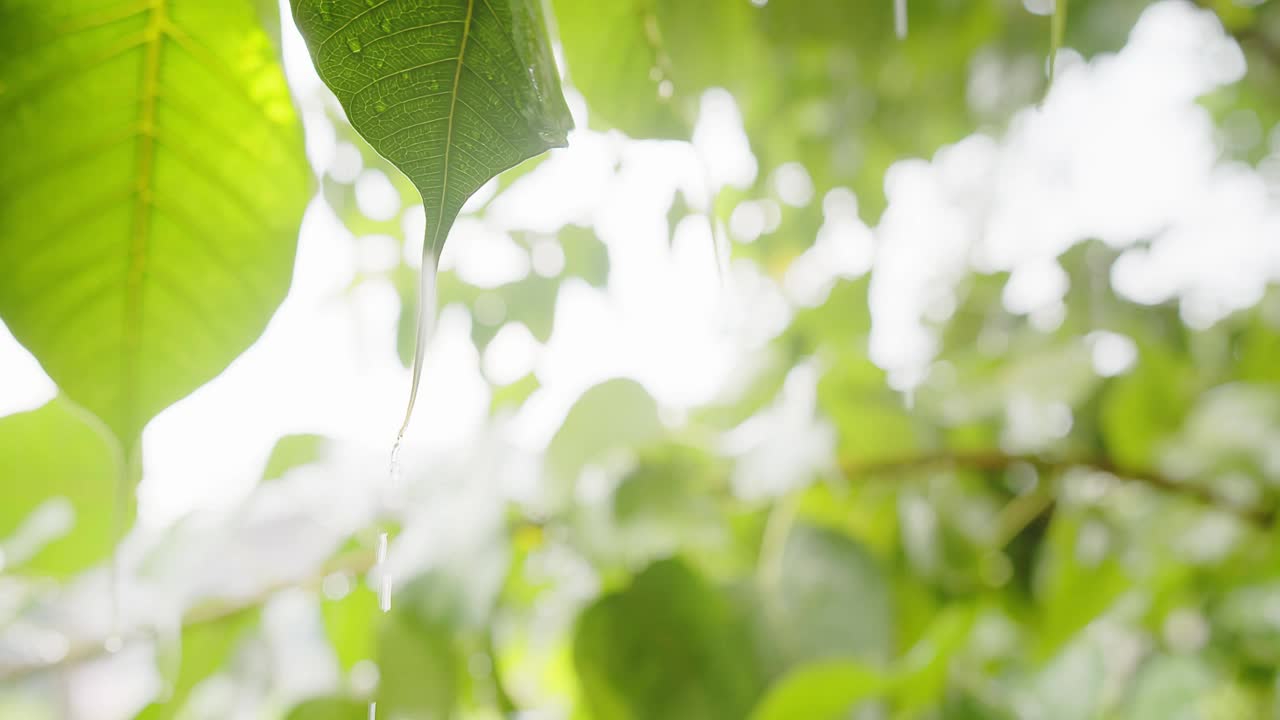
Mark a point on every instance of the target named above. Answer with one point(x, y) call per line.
point(48, 457)
point(150, 194)
point(452, 93)
point(669, 646)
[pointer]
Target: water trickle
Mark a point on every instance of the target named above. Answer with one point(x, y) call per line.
point(384, 577)
point(354, 44)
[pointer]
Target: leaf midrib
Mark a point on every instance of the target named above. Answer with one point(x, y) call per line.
point(448, 131)
point(144, 171)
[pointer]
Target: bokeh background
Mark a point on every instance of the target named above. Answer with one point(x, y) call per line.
point(896, 384)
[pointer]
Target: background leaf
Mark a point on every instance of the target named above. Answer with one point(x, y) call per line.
point(59, 463)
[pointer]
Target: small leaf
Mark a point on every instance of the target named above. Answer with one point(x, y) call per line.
point(293, 451)
point(824, 691)
point(60, 464)
point(350, 622)
point(330, 709)
point(452, 93)
point(669, 647)
point(205, 647)
point(153, 182)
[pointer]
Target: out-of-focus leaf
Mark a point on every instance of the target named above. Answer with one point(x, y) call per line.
point(513, 395)
point(830, 599)
point(144, 243)
point(584, 255)
point(1170, 688)
point(293, 451)
point(350, 623)
point(615, 414)
point(419, 668)
point(666, 647)
point(822, 691)
point(643, 65)
point(60, 464)
point(205, 647)
point(1143, 408)
point(1078, 579)
point(330, 709)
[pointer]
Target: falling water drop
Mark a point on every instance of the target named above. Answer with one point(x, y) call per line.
point(113, 644)
point(900, 18)
point(384, 577)
point(354, 44)
point(373, 710)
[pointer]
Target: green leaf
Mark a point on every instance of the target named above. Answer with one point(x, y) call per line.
point(669, 646)
point(617, 413)
point(643, 64)
point(205, 647)
point(452, 93)
point(350, 623)
point(330, 709)
point(824, 691)
point(57, 461)
point(1079, 578)
point(151, 192)
point(828, 599)
point(1171, 688)
point(419, 668)
point(1143, 409)
point(293, 451)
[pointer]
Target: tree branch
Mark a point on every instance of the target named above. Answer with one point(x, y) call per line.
point(996, 461)
point(360, 562)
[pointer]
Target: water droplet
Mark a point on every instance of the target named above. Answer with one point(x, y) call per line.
point(655, 73)
point(354, 44)
point(113, 644)
point(550, 136)
point(370, 3)
point(386, 25)
point(380, 106)
point(384, 577)
point(666, 89)
point(404, 76)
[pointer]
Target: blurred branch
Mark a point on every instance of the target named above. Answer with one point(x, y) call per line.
point(355, 562)
point(359, 562)
point(996, 461)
